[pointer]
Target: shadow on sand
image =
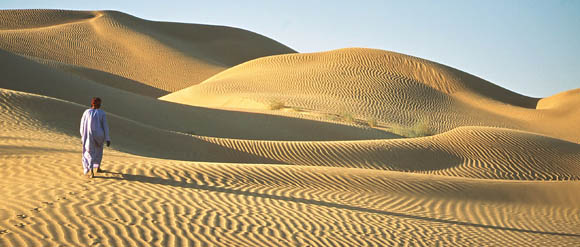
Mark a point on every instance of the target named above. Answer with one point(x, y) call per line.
point(168, 182)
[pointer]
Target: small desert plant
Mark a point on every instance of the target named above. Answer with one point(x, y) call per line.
point(347, 117)
point(419, 129)
point(333, 117)
point(372, 122)
point(276, 105)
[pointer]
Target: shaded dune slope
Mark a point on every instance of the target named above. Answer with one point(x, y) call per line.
point(491, 152)
point(161, 55)
point(374, 84)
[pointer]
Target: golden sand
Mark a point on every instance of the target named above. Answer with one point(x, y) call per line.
point(249, 148)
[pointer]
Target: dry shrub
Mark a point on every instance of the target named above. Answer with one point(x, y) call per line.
point(419, 129)
point(276, 105)
point(372, 122)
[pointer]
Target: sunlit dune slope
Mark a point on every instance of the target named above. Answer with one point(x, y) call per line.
point(392, 88)
point(489, 153)
point(566, 101)
point(124, 51)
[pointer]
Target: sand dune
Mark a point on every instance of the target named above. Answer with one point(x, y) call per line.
point(25, 75)
point(490, 153)
point(165, 56)
point(249, 149)
point(391, 88)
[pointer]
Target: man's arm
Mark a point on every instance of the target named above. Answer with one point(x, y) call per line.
point(106, 128)
point(82, 128)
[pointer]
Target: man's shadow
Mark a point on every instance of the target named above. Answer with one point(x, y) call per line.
point(180, 184)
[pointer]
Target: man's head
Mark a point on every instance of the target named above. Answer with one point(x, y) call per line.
point(96, 103)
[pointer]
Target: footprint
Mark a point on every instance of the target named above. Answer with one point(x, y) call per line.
point(3, 231)
point(20, 225)
point(48, 203)
point(21, 216)
point(35, 210)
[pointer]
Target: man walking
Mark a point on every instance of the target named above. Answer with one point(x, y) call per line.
point(94, 134)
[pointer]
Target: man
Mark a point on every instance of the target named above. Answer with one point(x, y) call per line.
point(94, 133)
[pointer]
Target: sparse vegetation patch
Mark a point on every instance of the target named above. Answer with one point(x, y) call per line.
point(419, 129)
point(276, 105)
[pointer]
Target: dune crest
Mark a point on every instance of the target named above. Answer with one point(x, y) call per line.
point(564, 100)
point(489, 154)
point(38, 18)
point(165, 56)
point(391, 88)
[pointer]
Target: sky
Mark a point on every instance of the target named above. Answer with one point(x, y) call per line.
point(530, 47)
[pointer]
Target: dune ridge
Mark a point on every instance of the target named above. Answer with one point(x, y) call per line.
point(18, 19)
point(391, 88)
point(165, 56)
point(489, 154)
point(202, 121)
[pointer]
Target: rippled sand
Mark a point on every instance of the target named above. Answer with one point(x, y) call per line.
point(223, 137)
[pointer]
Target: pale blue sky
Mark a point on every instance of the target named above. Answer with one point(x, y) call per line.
point(531, 47)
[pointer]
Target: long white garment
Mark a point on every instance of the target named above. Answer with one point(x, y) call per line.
point(94, 133)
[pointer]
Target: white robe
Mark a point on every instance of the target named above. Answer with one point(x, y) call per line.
point(94, 133)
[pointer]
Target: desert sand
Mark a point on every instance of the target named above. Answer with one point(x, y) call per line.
point(224, 137)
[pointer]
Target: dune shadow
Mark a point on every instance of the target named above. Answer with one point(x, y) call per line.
point(117, 81)
point(168, 182)
point(19, 149)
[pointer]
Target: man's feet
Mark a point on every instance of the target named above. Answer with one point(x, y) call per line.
point(99, 170)
point(90, 174)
